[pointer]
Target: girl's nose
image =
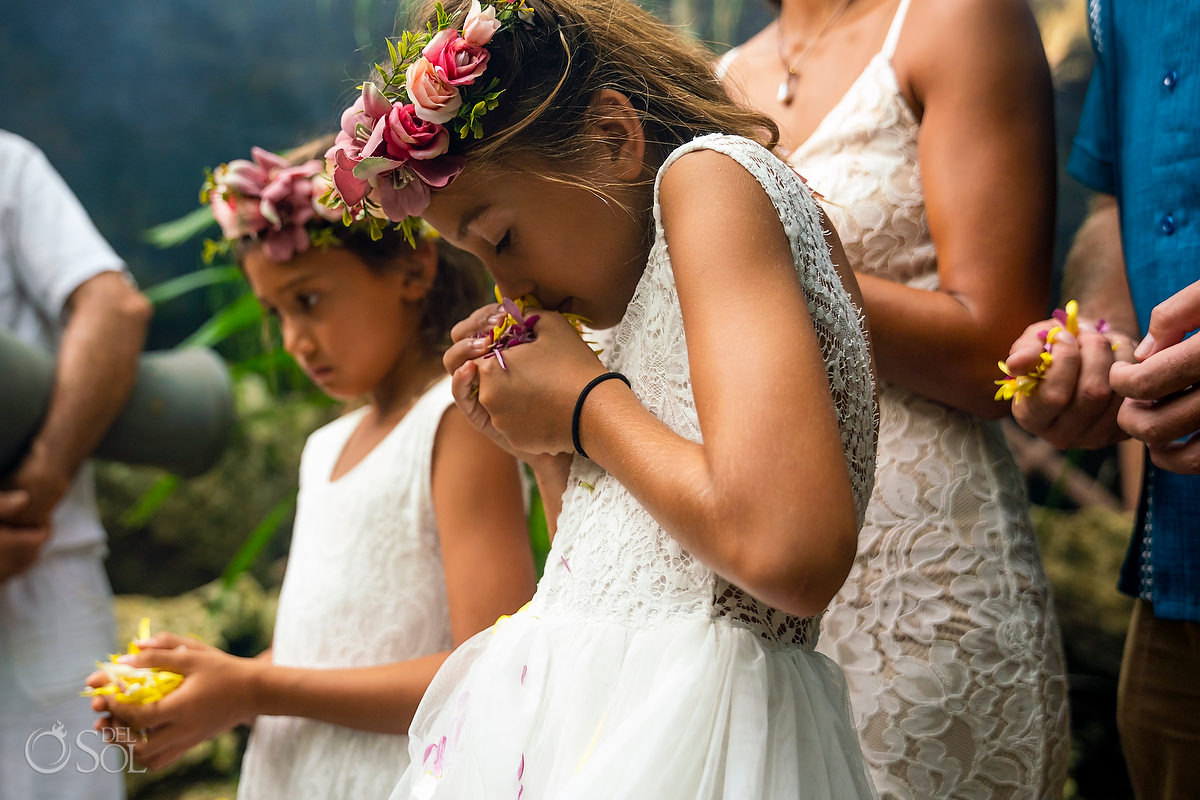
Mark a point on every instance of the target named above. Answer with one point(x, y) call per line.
point(296, 339)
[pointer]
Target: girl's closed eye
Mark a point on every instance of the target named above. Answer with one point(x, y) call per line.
point(505, 242)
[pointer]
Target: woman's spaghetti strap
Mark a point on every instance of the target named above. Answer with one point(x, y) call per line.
point(893, 36)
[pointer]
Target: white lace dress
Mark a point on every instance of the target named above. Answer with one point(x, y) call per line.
point(945, 629)
point(364, 586)
point(636, 672)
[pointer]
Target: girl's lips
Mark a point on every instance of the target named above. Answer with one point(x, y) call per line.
point(319, 374)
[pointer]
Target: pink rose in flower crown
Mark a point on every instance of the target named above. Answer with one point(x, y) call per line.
point(409, 136)
point(481, 25)
point(384, 156)
point(436, 101)
point(457, 61)
point(357, 141)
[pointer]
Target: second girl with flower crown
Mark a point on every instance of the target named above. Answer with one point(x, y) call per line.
point(409, 533)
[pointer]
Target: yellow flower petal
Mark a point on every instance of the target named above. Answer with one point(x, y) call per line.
point(1072, 310)
point(137, 685)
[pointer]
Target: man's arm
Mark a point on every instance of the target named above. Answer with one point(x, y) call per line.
point(1075, 406)
point(97, 364)
point(1094, 273)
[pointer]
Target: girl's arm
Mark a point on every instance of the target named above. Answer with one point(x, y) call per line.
point(987, 161)
point(550, 469)
point(766, 499)
point(489, 572)
point(488, 568)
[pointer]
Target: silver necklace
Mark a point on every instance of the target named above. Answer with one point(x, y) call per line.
point(787, 88)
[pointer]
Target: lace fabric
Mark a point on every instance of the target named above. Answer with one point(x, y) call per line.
point(945, 628)
point(627, 567)
point(364, 586)
point(636, 672)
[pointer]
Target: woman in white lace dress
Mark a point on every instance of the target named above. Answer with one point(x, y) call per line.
point(410, 530)
point(926, 131)
point(706, 500)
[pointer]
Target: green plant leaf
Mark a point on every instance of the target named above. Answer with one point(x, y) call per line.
point(169, 290)
point(178, 231)
point(262, 535)
point(150, 502)
point(242, 313)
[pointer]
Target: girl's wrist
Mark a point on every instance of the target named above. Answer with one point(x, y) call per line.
point(257, 683)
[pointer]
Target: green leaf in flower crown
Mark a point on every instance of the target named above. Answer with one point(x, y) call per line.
point(323, 238)
point(409, 227)
point(213, 250)
point(393, 54)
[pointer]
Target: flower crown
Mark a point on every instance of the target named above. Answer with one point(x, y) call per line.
point(270, 199)
point(392, 149)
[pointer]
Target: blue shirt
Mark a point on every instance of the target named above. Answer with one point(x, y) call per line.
point(1139, 139)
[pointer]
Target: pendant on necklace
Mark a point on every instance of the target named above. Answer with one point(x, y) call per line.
point(785, 95)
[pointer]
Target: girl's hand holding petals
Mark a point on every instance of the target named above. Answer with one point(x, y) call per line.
point(470, 342)
point(215, 696)
point(530, 403)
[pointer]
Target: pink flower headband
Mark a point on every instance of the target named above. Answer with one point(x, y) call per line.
point(272, 200)
point(392, 149)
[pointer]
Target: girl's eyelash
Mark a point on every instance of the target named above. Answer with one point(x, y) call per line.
point(504, 243)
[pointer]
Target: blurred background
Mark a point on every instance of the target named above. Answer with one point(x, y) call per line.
point(132, 100)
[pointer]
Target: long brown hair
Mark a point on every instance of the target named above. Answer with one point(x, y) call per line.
point(550, 70)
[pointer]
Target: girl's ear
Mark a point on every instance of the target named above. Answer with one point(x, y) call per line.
point(419, 270)
point(614, 123)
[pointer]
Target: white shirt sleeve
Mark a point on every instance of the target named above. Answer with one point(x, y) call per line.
point(53, 245)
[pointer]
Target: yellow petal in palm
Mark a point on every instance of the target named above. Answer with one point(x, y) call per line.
point(137, 685)
point(1014, 387)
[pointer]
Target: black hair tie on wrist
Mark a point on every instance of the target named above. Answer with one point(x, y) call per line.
point(599, 379)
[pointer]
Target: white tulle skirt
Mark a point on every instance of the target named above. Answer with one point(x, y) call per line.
point(565, 708)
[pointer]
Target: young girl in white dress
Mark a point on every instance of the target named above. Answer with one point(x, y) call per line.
point(409, 533)
point(706, 476)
